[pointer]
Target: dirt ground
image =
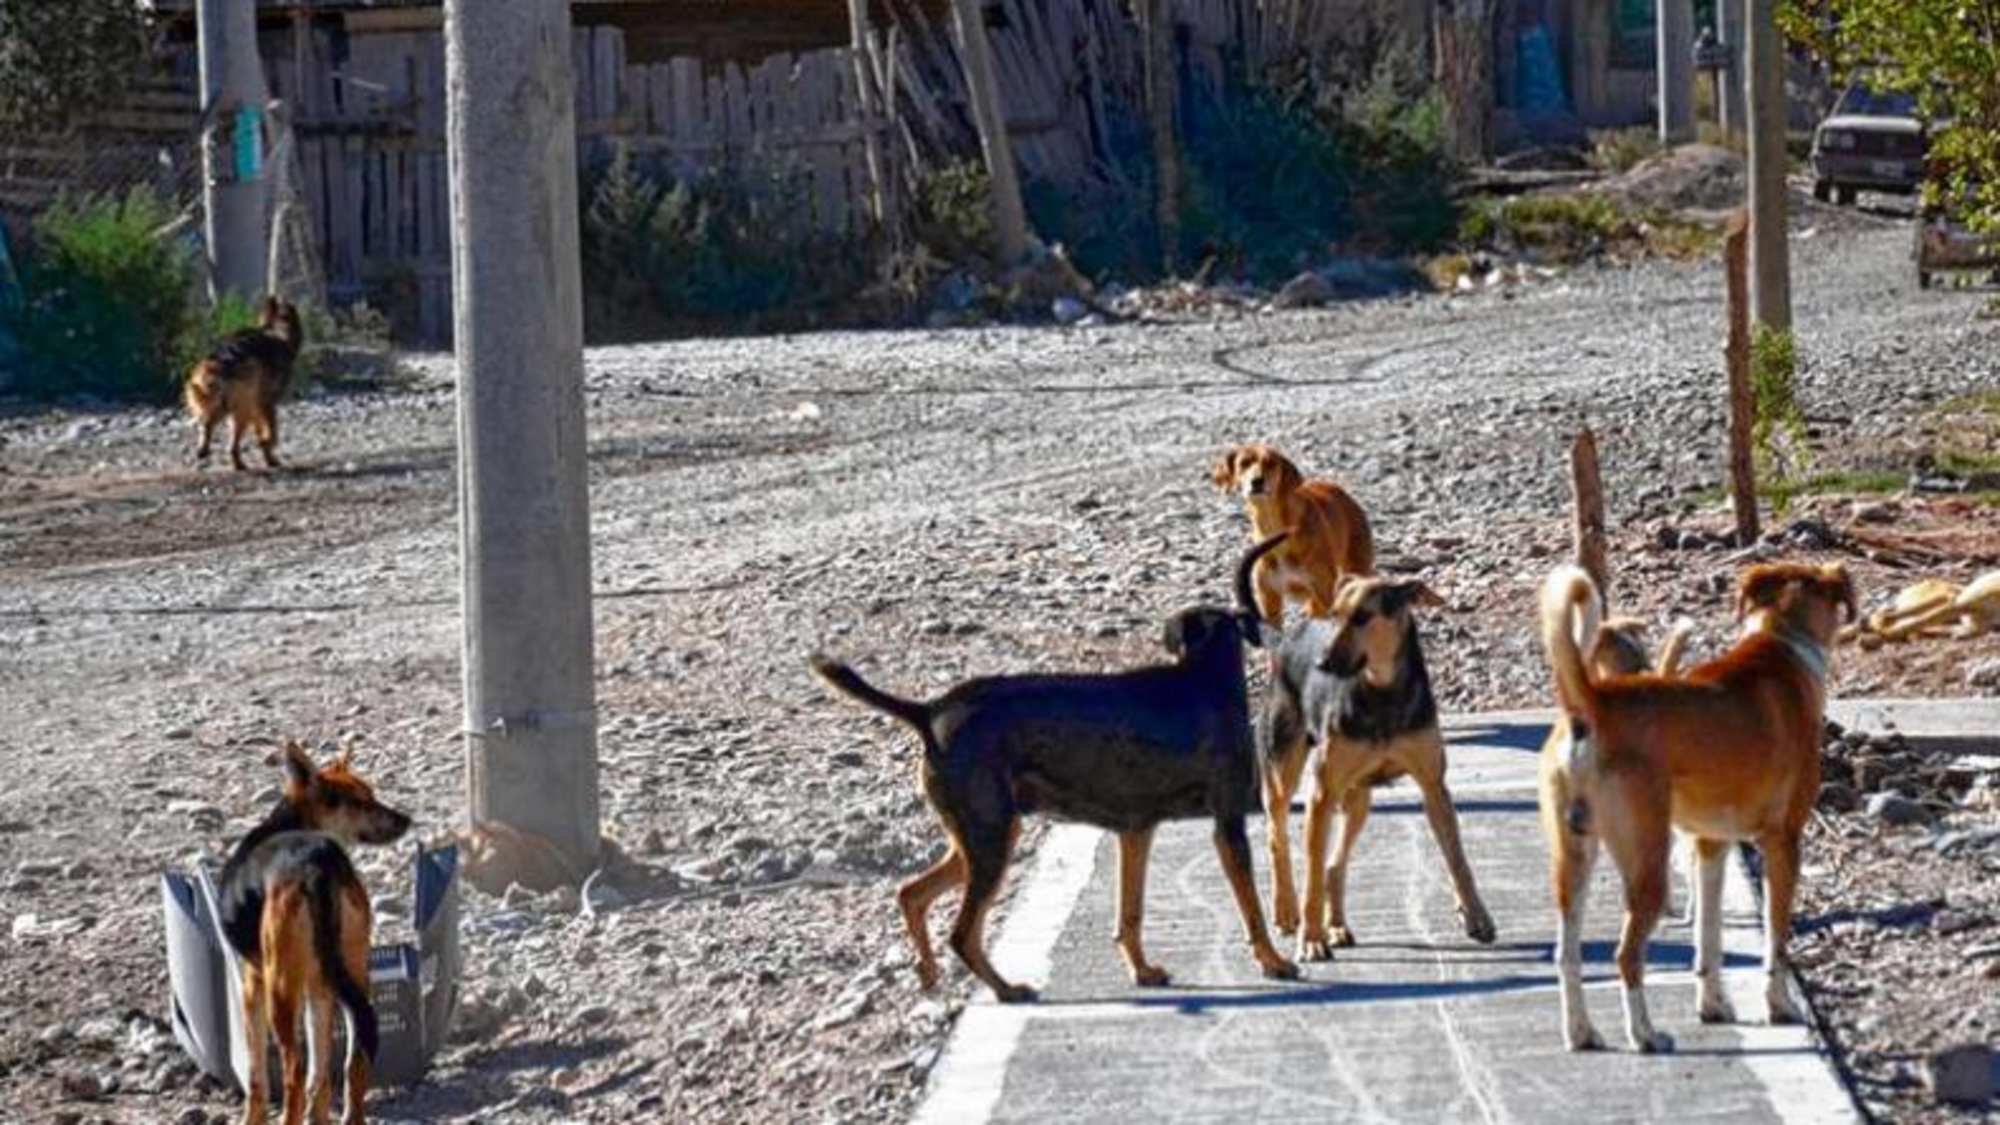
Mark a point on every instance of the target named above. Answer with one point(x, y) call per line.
point(928, 504)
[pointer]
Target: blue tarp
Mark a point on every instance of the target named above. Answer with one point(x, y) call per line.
point(1541, 89)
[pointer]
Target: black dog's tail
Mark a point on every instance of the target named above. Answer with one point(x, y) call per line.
point(1255, 627)
point(847, 682)
point(333, 966)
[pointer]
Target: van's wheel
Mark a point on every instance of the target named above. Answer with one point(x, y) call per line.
point(1923, 279)
point(1848, 195)
point(1822, 191)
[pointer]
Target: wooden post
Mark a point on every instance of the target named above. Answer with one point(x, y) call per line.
point(871, 117)
point(1463, 36)
point(1587, 488)
point(1770, 256)
point(1160, 83)
point(1729, 100)
point(1010, 219)
point(1736, 352)
point(1674, 69)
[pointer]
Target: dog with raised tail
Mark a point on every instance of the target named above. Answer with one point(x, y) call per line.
point(1123, 751)
point(1727, 752)
point(293, 907)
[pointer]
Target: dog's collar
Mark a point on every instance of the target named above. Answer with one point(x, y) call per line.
point(1806, 652)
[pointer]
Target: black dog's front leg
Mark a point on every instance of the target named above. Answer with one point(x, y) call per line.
point(1232, 846)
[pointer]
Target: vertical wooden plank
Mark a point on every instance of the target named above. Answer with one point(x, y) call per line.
point(687, 100)
point(607, 46)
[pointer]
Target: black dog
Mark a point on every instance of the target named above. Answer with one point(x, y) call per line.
point(1357, 688)
point(1122, 751)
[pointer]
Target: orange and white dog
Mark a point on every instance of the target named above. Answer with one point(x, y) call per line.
point(1727, 752)
point(1329, 537)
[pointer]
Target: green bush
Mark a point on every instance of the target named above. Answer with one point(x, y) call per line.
point(664, 254)
point(107, 302)
point(1778, 431)
point(1274, 177)
point(954, 212)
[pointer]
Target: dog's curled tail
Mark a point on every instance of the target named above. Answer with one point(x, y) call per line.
point(1675, 646)
point(1571, 606)
point(204, 384)
point(350, 993)
point(848, 682)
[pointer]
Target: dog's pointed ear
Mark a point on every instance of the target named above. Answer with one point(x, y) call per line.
point(1289, 477)
point(1753, 591)
point(299, 768)
point(1343, 584)
point(1418, 591)
point(1224, 473)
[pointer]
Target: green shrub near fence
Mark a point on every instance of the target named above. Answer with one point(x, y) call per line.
point(107, 305)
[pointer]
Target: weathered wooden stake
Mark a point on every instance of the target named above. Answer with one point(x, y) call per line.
point(871, 117)
point(1587, 487)
point(1010, 219)
point(1736, 352)
point(1160, 83)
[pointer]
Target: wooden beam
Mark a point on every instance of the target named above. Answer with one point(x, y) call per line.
point(1010, 219)
point(1587, 488)
point(1736, 353)
point(1160, 83)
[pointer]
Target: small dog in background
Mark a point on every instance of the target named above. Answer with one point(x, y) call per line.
point(244, 376)
point(1329, 533)
point(293, 907)
point(1933, 608)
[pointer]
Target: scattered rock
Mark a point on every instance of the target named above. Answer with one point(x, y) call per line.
point(1896, 809)
point(1962, 1075)
point(1307, 290)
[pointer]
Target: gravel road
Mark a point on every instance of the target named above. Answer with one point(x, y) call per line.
point(928, 504)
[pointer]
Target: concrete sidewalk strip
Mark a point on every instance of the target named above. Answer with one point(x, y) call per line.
point(1415, 1023)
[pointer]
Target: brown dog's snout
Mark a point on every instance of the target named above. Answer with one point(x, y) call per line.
point(386, 827)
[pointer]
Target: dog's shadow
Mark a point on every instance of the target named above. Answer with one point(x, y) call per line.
point(1197, 998)
point(480, 1077)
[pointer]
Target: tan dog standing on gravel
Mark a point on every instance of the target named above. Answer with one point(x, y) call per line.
point(1729, 752)
point(1329, 533)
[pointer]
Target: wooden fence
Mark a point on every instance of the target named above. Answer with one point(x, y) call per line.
point(366, 96)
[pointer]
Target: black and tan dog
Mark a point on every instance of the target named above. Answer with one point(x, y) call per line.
point(1727, 752)
point(294, 908)
point(244, 376)
point(1123, 751)
point(1355, 688)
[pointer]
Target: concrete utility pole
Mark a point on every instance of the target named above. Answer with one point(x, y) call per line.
point(1764, 78)
point(1675, 70)
point(1010, 219)
point(1160, 83)
point(524, 501)
point(1729, 20)
point(233, 97)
